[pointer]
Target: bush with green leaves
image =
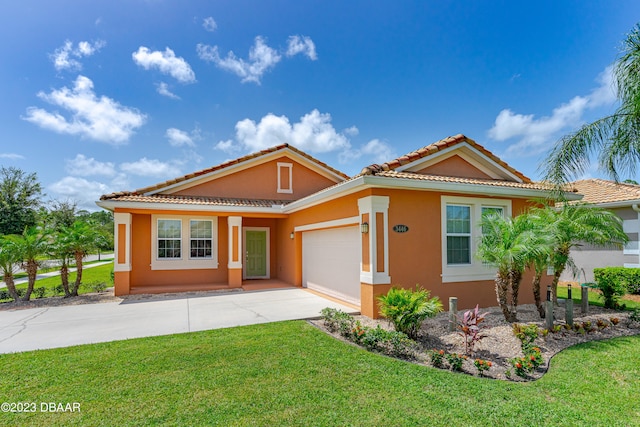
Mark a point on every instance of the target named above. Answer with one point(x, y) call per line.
point(527, 334)
point(635, 315)
point(98, 286)
point(4, 294)
point(40, 291)
point(613, 283)
point(391, 343)
point(407, 309)
point(337, 320)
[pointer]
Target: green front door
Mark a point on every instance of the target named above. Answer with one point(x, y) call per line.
point(256, 254)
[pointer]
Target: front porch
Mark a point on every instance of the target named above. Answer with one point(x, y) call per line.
point(247, 285)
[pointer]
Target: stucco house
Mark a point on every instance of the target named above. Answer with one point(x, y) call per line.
point(284, 218)
point(624, 200)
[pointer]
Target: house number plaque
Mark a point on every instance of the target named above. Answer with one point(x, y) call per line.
point(400, 228)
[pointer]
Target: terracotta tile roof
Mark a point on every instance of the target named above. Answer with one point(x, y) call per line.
point(434, 148)
point(193, 200)
point(224, 165)
point(492, 182)
point(604, 191)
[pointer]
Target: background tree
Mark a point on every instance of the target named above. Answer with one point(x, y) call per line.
point(60, 214)
point(510, 245)
point(614, 138)
point(20, 195)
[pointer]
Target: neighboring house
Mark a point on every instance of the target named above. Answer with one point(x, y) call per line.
point(282, 215)
point(624, 200)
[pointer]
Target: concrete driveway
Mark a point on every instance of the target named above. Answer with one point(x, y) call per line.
point(51, 327)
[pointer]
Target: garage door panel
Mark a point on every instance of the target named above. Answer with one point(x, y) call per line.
point(331, 262)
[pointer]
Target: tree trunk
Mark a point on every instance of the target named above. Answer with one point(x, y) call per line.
point(536, 294)
point(64, 277)
point(514, 281)
point(32, 272)
point(78, 255)
point(554, 284)
point(502, 284)
point(11, 286)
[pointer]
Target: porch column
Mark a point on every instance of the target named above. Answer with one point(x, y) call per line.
point(374, 268)
point(122, 253)
point(235, 251)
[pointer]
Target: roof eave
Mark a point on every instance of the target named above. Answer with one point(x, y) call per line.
point(111, 205)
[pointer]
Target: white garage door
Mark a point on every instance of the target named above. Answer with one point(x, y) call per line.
point(331, 262)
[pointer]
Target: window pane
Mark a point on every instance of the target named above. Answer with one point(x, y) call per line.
point(458, 250)
point(201, 229)
point(169, 228)
point(458, 219)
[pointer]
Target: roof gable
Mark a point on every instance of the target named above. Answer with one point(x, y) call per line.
point(439, 159)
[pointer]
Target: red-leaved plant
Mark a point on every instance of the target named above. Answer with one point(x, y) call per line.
point(471, 328)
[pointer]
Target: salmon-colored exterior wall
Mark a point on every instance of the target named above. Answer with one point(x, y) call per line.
point(454, 166)
point(261, 182)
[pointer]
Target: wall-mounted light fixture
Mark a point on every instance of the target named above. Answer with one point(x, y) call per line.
point(364, 227)
point(291, 235)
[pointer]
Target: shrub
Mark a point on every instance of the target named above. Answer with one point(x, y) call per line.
point(40, 291)
point(98, 286)
point(455, 361)
point(481, 366)
point(527, 334)
point(407, 309)
point(470, 328)
point(437, 358)
point(58, 290)
point(337, 320)
point(613, 283)
point(4, 294)
point(391, 343)
point(21, 292)
point(635, 315)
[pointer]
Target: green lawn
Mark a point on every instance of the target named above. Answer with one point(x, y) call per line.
point(290, 373)
point(91, 275)
point(594, 297)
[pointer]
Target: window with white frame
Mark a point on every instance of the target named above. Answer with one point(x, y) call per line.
point(461, 231)
point(169, 239)
point(182, 242)
point(458, 234)
point(201, 239)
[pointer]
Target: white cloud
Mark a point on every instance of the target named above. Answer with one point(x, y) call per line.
point(102, 119)
point(11, 156)
point(64, 57)
point(261, 59)
point(375, 150)
point(535, 135)
point(209, 24)
point(351, 131)
point(313, 133)
point(84, 192)
point(179, 138)
point(151, 167)
point(83, 166)
point(166, 62)
point(163, 89)
point(301, 44)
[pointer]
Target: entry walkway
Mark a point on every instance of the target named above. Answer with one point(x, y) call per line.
point(51, 327)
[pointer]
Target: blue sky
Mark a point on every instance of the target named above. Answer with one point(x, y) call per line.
point(114, 95)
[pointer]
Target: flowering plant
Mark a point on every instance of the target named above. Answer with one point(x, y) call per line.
point(437, 358)
point(482, 365)
point(455, 361)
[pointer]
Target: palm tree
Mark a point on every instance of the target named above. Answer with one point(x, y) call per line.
point(30, 245)
point(9, 260)
point(614, 137)
point(81, 238)
point(510, 245)
point(572, 225)
point(60, 250)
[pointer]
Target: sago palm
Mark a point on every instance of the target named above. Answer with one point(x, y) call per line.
point(407, 309)
point(30, 246)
